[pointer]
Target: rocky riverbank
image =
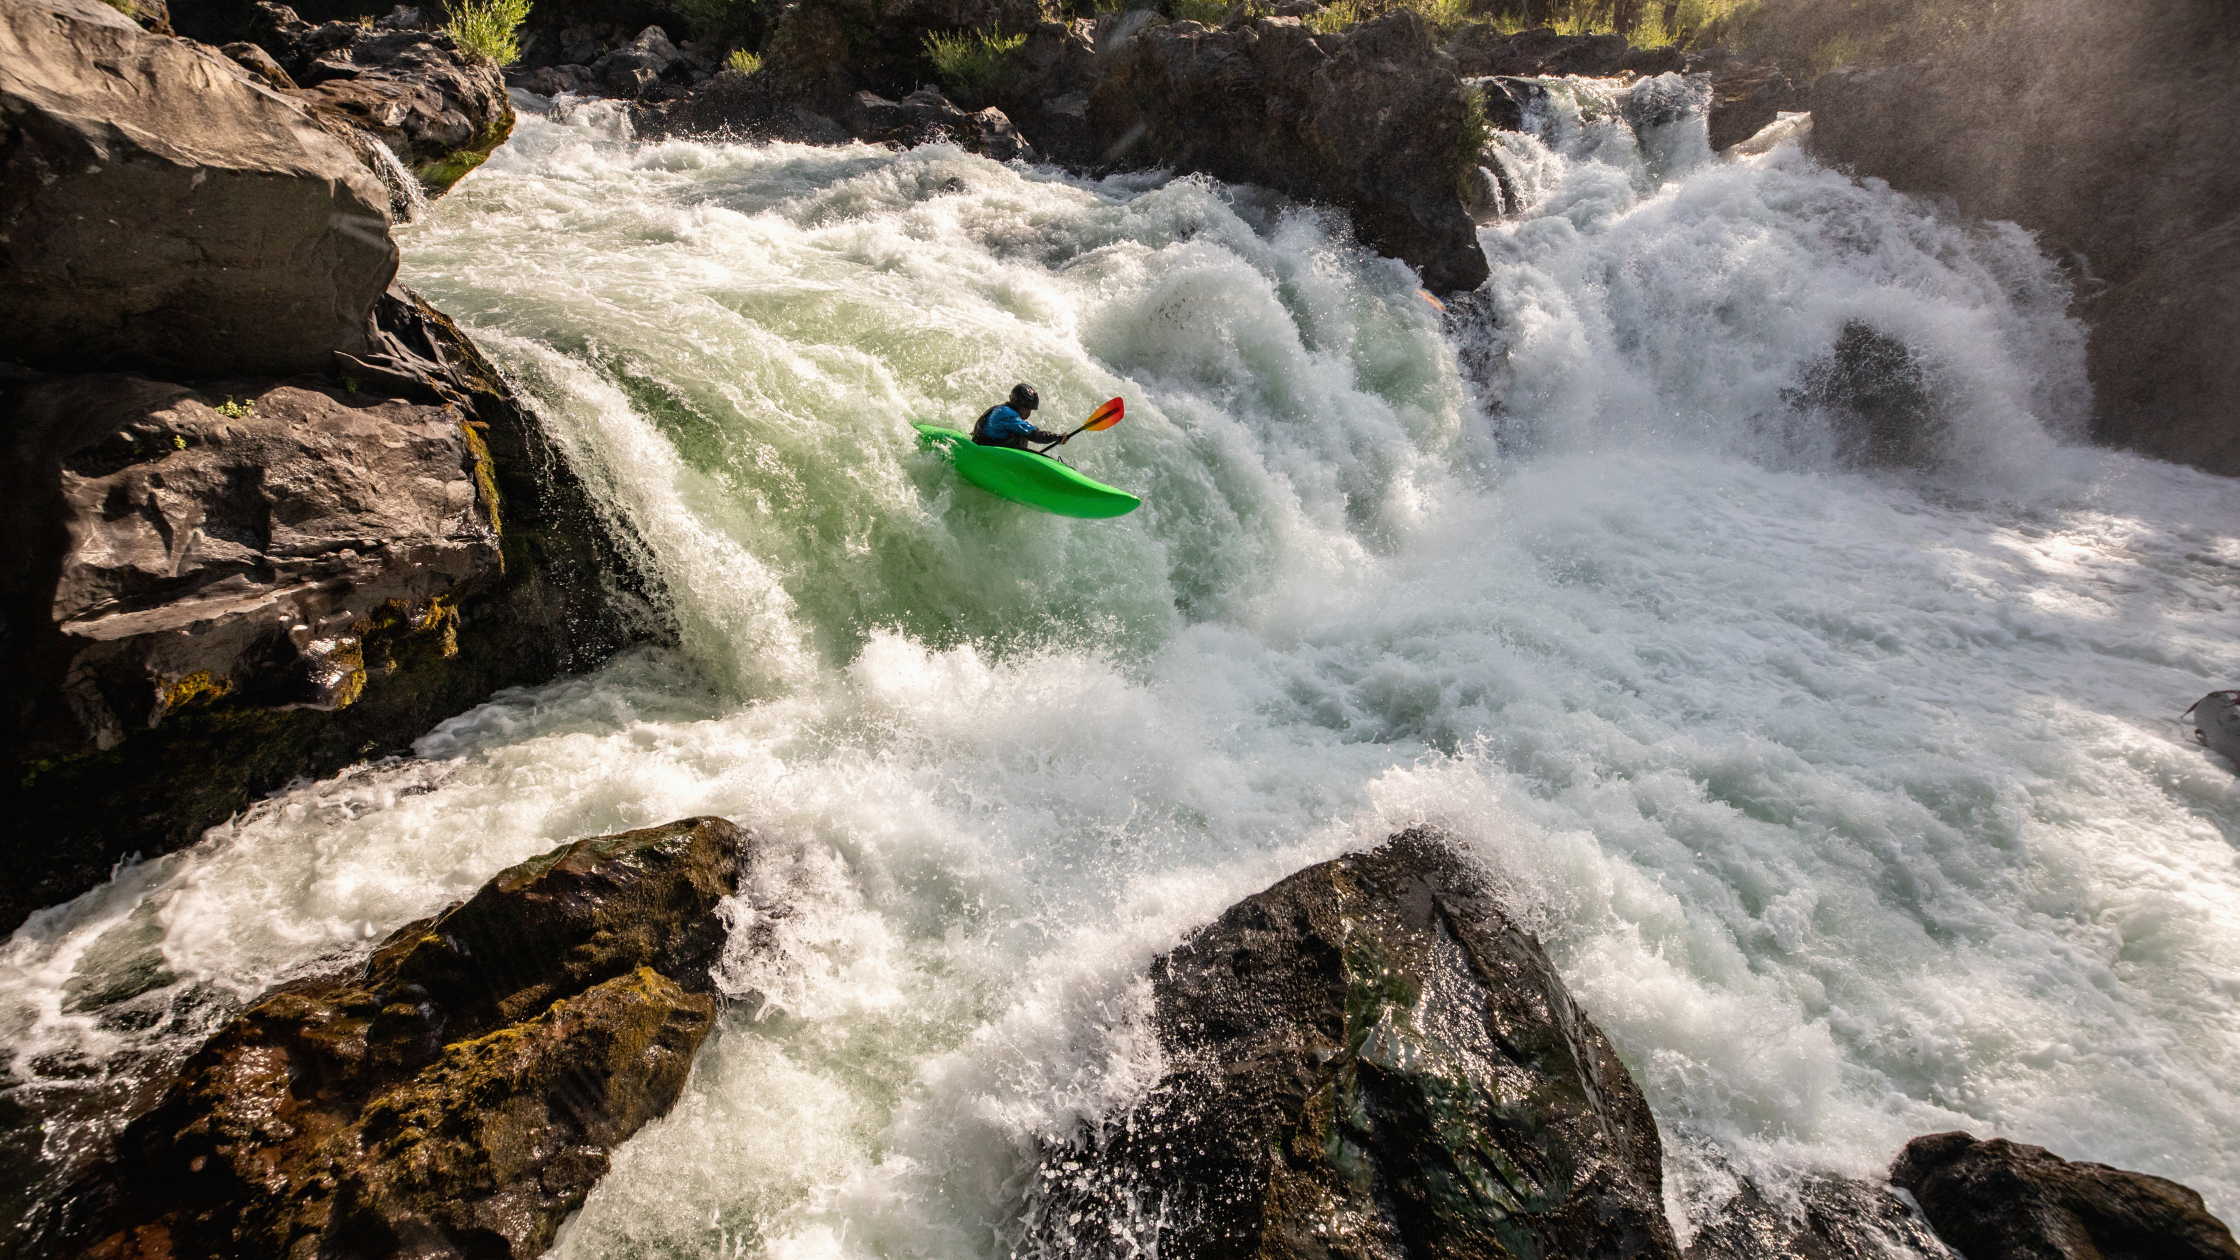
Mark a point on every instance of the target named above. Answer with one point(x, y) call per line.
point(271, 515)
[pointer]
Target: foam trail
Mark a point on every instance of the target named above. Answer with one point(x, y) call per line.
point(1874, 766)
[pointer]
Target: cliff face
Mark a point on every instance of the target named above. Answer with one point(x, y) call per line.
point(2113, 131)
point(265, 514)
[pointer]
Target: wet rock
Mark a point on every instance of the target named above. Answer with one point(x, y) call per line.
point(1998, 1200)
point(142, 234)
point(410, 90)
point(1745, 101)
point(1832, 1218)
point(1366, 1059)
point(457, 1094)
point(2113, 132)
point(218, 588)
point(1875, 397)
point(2216, 723)
point(1372, 121)
point(928, 117)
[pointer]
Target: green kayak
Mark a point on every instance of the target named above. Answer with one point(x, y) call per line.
point(1024, 477)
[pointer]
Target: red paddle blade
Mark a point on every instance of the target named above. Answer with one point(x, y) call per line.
point(1105, 417)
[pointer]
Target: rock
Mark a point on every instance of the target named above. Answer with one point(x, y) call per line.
point(164, 213)
point(1875, 399)
point(1367, 1059)
point(554, 80)
point(1998, 1200)
point(2113, 132)
point(258, 62)
point(1745, 101)
point(1836, 1218)
point(1372, 121)
point(221, 588)
point(438, 113)
point(1480, 49)
point(456, 1094)
point(2216, 723)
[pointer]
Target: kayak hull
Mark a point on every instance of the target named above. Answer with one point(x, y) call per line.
point(1024, 477)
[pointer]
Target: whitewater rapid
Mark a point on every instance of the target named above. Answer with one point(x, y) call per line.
point(1850, 802)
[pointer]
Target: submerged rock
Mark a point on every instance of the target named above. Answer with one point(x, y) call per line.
point(162, 210)
point(458, 1094)
point(1367, 1059)
point(1874, 396)
point(2216, 723)
point(1998, 1200)
point(1833, 1218)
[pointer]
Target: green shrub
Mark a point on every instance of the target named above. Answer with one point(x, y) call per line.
point(485, 30)
point(1210, 12)
point(744, 62)
point(233, 409)
point(971, 62)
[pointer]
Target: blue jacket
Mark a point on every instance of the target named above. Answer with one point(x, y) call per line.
point(1002, 426)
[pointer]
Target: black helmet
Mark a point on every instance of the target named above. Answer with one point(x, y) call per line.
point(1024, 399)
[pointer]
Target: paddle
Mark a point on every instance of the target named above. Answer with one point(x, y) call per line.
point(1102, 418)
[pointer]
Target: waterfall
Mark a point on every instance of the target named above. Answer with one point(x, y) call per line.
point(1838, 777)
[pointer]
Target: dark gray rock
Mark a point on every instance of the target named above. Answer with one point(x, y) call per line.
point(440, 114)
point(1372, 121)
point(1367, 1059)
point(1874, 396)
point(2216, 723)
point(1835, 1218)
point(163, 212)
point(202, 606)
point(2113, 131)
point(2001, 1200)
point(457, 1094)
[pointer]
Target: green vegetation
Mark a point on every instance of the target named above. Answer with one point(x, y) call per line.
point(971, 62)
point(485, 30)
point(744, 62)
point(233, 409)
point(1210, 12)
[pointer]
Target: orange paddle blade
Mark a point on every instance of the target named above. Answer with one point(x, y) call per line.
point(1106, 416)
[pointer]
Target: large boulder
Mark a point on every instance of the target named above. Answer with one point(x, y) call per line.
point(2001, 1200)
point(2112, 129)
point(411, 91)
point(161, 210)
point(219, 588)
point(458, 1093)
point(1374, 121)
point(1367, 1059)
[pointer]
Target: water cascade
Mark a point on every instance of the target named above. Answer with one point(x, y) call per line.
point(1840, 777)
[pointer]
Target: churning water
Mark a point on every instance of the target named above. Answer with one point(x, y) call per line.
point(1848, 796)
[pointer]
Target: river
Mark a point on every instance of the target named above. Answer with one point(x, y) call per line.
point(1850, 799)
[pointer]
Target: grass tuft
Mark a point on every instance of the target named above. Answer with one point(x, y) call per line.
point(971, 61)
point(744, 62)
point(487, 30)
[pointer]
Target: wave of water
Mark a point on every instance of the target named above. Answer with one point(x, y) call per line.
point(1849, 802)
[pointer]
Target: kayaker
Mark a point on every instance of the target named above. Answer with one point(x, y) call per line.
point(1006, 424)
